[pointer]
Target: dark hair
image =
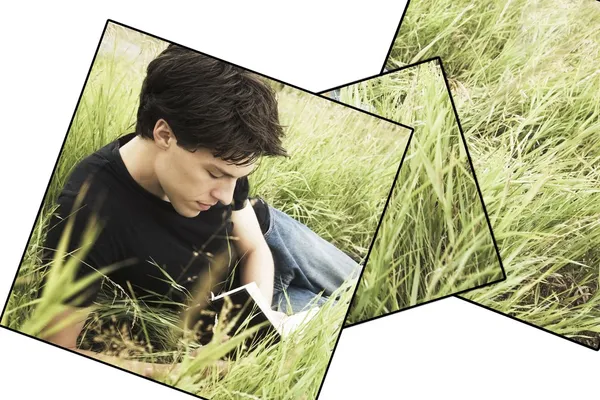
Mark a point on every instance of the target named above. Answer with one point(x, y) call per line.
point(211, 104)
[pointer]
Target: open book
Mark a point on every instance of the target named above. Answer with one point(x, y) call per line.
point(245, 307)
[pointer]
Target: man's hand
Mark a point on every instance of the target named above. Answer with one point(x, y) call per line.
point(161, 372)
point(158, 371)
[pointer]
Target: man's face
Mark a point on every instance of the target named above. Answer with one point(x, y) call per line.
point(193, 182)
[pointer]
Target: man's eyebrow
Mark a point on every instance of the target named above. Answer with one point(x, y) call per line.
point(228, 174)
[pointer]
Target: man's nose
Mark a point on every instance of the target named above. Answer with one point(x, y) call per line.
point(224, 192)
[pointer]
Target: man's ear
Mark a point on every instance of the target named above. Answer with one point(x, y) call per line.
point(163, 135)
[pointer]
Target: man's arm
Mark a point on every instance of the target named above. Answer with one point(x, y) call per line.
point(67, 337)
point(256, 258)
point(64, 329)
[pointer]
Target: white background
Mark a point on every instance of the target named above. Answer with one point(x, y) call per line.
point(449, 349)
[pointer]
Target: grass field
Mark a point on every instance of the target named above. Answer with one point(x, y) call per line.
point(337, 181)
point(526, 79)
point(434, 240)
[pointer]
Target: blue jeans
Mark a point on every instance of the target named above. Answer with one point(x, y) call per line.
point(308, 269)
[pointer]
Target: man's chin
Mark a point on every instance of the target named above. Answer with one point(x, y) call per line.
point(188, 212)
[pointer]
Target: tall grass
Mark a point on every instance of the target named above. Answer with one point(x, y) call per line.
point(336, 182)
point(525, 76)
point(434, 240)
point(340, 170)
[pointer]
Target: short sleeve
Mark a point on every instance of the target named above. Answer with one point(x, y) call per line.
point(98, 256)
point(240, 193)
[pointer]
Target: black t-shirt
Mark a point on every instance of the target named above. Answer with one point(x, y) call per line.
point(144, 230)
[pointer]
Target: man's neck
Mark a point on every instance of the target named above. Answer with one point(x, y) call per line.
point(138, 156)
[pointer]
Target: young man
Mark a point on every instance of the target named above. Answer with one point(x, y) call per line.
point(173, 198)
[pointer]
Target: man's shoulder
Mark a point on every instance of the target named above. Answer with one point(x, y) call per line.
point(93, 167)
point(91, 178)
